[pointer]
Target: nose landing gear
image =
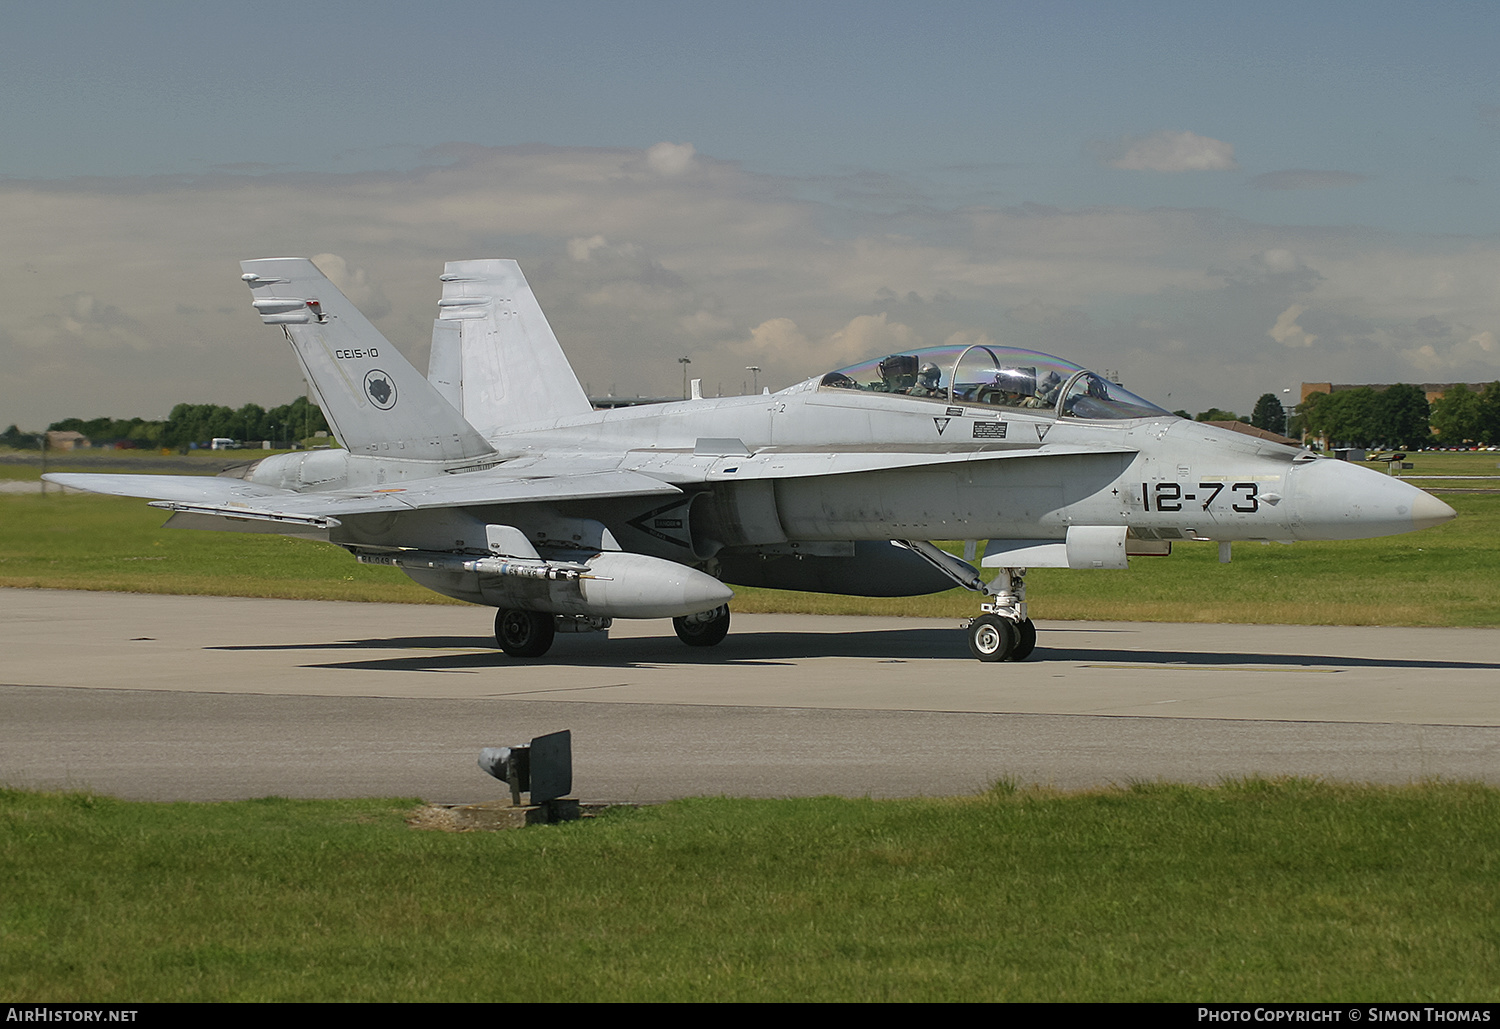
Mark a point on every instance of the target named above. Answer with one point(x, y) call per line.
point(996, 638)
point(1002, 632)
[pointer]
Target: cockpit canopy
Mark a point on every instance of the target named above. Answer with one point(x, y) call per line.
point(991, 376)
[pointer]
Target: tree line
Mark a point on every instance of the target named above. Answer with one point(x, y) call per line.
point(1268, 415)
point(1399, 416)
point(191, 423)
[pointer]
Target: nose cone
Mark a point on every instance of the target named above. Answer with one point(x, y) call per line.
point(1336, 500)
point(1427, 511)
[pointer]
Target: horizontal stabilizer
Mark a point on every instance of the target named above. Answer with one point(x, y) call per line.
point(188, 489)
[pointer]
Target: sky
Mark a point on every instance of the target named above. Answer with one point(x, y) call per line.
point(1214, 201)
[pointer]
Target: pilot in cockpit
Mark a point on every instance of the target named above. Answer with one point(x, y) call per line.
point(1094, 396)
point(1011, 387)
point(898, 374)
point(927, 382)
point(1019, 387)
point(1046, 390)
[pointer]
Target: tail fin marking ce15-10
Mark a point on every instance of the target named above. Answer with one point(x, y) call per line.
point(494, 357)
point(376, 402)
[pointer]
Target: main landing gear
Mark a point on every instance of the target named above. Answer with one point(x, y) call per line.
point(524, 633)
point(706, 629)
point(530, 633)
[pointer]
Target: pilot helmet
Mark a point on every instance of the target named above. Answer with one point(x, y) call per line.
point(898, 367)
point(929, 375)
point(1021, 381)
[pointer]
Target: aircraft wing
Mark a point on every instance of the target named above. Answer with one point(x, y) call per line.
point(720, 462)
point(542, 481)
point(235, 498)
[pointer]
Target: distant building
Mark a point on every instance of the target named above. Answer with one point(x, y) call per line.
point(66, 439)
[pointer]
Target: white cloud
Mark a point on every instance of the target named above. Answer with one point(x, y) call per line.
point(780, 341)
point(1425, 359)
point(1275, 269)
point(776, 338)
point(670, 159)
point(580, 249)
point(868, 335)
point(701, 324)
point(124, 298)
point(1167, 151)
point(1278, 261)
point(1479, 349)
point(1287, 332)
point(355, 284)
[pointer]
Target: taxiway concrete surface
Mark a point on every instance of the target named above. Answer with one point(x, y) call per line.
point(171, 698)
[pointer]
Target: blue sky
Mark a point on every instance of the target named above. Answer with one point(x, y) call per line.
point(1217, 200)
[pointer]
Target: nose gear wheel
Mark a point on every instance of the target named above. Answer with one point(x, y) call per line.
point(992, 638)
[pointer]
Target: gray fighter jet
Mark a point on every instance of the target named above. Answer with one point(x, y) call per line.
point(494, 480)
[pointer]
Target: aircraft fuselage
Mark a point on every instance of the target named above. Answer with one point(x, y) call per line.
point(1163, 478)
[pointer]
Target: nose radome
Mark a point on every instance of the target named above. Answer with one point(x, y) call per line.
point(1338, 500)
point(1427, 511)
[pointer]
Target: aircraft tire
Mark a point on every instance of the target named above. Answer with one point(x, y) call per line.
point(992, 638)
point(703, 634)
point(523, 633)
point(1025, 641)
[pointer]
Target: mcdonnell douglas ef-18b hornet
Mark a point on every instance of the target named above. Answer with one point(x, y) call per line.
point(494, 480)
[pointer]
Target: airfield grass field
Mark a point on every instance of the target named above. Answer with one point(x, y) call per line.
point(1447, 575)
point(1254, 890)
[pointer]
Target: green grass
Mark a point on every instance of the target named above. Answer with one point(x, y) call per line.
point(1448, 463)
point(26, 464)
point(1254, 890)
point(86, 542)
point(1448, 575)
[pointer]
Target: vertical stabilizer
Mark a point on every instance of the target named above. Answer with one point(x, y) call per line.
point(445, 363)
point(494, 354)
point(376, 402)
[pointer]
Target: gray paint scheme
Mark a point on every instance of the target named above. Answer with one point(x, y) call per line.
point(501, 435)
